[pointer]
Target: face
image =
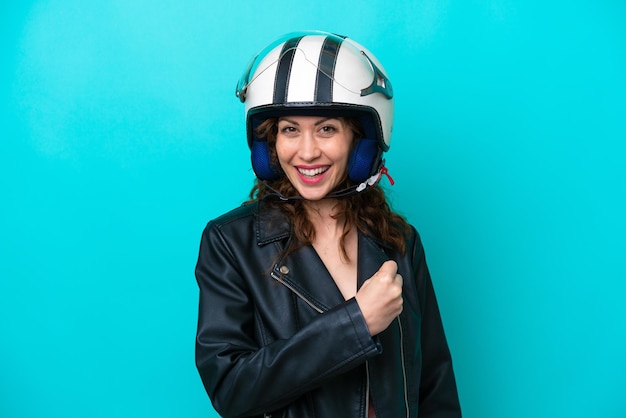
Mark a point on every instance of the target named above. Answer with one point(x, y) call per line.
point(313, 152)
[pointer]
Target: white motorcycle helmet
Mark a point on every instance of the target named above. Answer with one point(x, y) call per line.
point(318, 74)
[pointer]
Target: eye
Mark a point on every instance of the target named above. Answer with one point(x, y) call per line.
point(287, 129)
point(328, 130)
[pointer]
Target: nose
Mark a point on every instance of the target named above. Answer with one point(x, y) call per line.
point(308, 149)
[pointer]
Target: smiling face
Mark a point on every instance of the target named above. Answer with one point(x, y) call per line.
point(313, 152)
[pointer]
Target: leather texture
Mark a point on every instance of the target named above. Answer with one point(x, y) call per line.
point(276, 338)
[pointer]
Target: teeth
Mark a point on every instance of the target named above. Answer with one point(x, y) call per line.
point(313, 171)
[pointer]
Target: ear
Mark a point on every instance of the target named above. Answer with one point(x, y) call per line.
point(364, 160)
point(261, 163)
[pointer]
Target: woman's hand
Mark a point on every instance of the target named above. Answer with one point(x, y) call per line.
point(380, 297)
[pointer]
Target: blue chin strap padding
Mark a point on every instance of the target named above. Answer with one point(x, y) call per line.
point(363, 160)
point(260, 157)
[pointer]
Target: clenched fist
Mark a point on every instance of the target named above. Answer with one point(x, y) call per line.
point(380, 297)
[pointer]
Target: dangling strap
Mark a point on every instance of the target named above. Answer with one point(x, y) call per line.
point(375, 179)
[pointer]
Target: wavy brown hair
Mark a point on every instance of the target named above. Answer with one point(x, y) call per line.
point(367, 211)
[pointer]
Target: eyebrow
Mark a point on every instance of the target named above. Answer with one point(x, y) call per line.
point(319, 122)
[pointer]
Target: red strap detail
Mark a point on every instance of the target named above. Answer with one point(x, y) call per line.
point(383, 170)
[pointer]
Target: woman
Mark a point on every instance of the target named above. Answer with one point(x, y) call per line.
point(315, 298)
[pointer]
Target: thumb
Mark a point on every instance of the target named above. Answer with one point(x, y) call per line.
point(389, 267)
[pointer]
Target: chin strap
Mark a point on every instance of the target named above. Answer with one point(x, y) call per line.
point(348, 191)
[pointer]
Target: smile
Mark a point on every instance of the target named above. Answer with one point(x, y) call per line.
point(312, 172)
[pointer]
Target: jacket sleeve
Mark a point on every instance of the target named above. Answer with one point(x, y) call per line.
point(243, 378)
point(438, 391)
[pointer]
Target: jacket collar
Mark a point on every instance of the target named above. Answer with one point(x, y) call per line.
point(271, 224)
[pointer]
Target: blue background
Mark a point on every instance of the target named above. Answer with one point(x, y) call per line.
point(121, 137)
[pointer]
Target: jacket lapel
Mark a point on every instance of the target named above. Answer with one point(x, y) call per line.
point(371, 257)
point(306, 272)
point(303, 269)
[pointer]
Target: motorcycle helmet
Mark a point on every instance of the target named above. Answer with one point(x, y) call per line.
point(317, 73)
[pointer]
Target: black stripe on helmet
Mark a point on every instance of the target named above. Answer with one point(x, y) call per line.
point(326, 69)
point(281, 81)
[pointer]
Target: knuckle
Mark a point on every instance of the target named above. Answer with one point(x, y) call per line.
point(385, 278)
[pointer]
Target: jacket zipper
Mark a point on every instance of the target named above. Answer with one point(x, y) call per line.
point(300, 295)
point(367, 375)
point(367, 389)
point(406, 395)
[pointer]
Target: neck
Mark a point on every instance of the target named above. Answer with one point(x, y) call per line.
point(320, 209)
point(321, 214)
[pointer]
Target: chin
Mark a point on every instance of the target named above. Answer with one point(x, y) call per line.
point(313, 196)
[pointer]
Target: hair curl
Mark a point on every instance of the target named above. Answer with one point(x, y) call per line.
point(367, 211)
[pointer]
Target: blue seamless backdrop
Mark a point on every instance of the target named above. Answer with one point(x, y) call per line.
point(121, 137)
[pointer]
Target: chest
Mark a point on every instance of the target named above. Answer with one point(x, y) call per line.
point(341, 266)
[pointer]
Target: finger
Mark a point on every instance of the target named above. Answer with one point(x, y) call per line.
point(399, 280)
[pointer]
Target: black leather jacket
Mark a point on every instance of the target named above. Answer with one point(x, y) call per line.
point(277, 339)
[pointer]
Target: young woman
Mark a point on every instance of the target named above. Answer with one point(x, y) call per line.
point(315, 298)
